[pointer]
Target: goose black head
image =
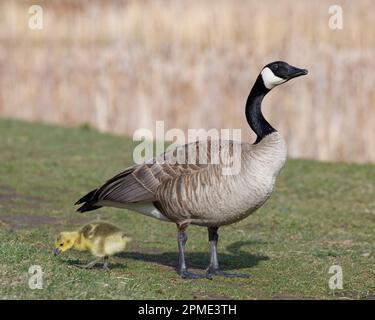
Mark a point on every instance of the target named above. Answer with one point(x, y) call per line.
point(278, 72)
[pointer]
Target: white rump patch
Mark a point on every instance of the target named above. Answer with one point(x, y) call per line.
point(145, 208)
point(269, 78)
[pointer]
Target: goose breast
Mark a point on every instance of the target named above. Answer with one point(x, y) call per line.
point(209, 197)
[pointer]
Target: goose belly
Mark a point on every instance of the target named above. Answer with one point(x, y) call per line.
point(220, 203)
point(236, 205)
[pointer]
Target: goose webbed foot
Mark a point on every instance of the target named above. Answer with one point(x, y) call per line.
point(213, 268)
point(106, 263)
point(182, 269)
point(82, 266)
point(212, 271)
point(90, 265)
point(190, 275)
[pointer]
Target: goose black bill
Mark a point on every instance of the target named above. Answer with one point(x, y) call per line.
point(297, 72)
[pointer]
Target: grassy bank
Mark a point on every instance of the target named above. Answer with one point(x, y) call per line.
point(319, 215)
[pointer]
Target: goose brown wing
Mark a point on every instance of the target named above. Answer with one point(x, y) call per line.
point(140, 182)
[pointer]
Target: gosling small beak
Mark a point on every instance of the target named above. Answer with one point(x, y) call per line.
point(56, 251)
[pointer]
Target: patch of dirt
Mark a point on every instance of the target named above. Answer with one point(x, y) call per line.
point(9, 197)
point(354, 295)
point(288, 297)
point(3, 224)
point(17, 220)
point(204, 296)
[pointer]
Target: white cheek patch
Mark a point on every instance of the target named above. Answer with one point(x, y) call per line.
point(269, 78)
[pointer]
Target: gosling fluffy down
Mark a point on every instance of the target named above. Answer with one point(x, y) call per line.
point(102, 239)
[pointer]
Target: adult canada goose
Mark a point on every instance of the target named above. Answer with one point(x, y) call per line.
point(170, 188)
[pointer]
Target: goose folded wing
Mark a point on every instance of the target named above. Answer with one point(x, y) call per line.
point(140, 182)
point(135, 184)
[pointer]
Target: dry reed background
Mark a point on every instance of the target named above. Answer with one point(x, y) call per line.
point(122, 65)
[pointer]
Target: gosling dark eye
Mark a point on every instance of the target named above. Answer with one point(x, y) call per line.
point(61, 244)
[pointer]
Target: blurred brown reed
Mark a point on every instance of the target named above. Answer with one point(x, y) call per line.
point(122, 65)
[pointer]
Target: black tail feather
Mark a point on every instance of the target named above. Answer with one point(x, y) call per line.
point(87, 197)
point(88, 202)
point(88, 207)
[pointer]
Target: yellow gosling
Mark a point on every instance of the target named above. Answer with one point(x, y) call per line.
point(102, 239)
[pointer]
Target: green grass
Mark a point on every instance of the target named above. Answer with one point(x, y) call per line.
point(319, 215)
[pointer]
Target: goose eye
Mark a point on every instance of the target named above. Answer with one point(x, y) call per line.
point(61, 244)
point(275, 67)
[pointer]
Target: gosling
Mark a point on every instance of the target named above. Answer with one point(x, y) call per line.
point(102, 239)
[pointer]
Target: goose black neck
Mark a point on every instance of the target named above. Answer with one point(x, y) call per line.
point(253, 111)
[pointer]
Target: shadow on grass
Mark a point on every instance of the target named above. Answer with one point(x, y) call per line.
point(236, 247)
point(236, 259)
point(76, 263)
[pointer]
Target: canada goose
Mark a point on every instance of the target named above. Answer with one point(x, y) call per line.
point(100, 238)
point(199, 194)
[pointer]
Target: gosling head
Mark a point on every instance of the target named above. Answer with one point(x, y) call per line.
point(279, 72)
point(64, 241)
